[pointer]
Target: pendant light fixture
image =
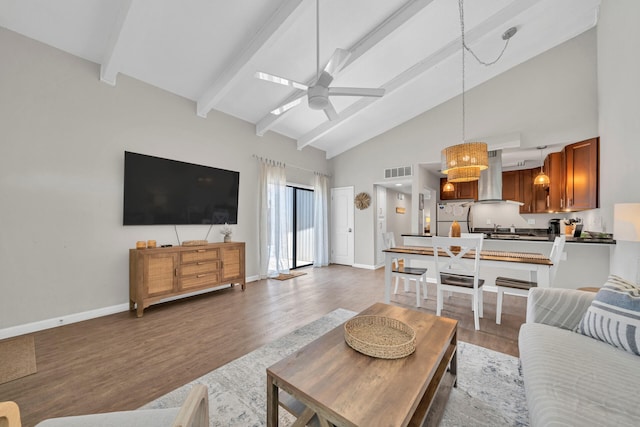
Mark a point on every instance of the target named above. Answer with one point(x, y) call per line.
point(448, 187)
point(465, 161)
point(541, 178)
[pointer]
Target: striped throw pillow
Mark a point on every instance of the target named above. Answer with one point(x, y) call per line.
point(614, 315)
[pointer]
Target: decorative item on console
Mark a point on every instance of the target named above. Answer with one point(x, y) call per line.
point(226, 232)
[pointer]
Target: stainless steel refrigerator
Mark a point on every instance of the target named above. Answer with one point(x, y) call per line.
point(448, 212)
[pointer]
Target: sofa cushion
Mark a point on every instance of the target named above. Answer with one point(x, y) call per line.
point(614, 315)
point(573, 380)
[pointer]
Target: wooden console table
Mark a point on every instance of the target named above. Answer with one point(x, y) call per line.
point(159, 273)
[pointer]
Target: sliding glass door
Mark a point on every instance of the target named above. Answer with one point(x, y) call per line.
point(300, 201)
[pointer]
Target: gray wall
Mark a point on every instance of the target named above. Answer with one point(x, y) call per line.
point(550, 99)
point(63, 249)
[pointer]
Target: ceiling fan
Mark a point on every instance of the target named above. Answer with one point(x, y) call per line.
point(319, 92)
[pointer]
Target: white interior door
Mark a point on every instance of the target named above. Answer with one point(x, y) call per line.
point(342, 225)
point(381, 222)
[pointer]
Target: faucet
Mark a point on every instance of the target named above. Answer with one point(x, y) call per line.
point(495, 227)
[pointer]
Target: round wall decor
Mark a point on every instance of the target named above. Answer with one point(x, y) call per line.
point(362, 201)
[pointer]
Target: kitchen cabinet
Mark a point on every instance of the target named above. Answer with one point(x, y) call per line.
point(511, 185)
point(462, 190)
point(554, 197)
point(528, 190)
point(518, 186)
point(582, 175)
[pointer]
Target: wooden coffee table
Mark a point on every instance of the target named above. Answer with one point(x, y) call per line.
point(346, 388)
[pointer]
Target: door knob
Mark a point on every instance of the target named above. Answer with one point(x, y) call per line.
point(349, 230)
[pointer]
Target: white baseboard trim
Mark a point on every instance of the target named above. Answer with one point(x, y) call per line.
point(67, 319)
point(41, 325)
point(364, 266)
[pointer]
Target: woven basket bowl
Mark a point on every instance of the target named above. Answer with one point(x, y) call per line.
point(379, 336)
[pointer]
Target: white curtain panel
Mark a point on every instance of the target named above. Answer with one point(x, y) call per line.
point(273, 227)
point(320, 221)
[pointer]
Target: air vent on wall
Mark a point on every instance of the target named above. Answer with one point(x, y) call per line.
point(397, 172)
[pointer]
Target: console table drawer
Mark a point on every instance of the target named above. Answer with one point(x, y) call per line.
point(198, 280)
point(199, 267)
point(200, 255)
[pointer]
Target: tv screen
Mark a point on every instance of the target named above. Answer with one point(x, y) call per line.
point(163, 191)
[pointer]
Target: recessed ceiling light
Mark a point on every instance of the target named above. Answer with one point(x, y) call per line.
point(398, 185)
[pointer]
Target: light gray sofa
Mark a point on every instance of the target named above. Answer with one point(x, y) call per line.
point(571, 379)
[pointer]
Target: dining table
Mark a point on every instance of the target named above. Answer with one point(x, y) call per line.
point(538, 265)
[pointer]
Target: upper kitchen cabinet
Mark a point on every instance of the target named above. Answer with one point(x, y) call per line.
point(582, 173)
point(511, 185)
point(554, 197)
point(461, 190)
point(518, 186)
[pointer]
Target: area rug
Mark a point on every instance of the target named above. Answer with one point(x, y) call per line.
point(490, 391)
point(290, 275)
point(17, 358)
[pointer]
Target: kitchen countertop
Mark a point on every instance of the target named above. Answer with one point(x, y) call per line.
point(531, 238)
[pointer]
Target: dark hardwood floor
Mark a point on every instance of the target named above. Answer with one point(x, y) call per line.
point(121, 362)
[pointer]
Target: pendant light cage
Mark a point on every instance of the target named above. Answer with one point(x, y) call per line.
point(542, 178)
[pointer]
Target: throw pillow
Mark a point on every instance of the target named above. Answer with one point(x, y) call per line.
point(614, 315)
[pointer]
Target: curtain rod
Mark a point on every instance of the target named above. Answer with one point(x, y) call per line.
point(289, 165)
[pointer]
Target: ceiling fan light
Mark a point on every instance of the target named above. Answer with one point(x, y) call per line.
point(318, 97)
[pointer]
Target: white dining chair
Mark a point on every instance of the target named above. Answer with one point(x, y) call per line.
point(454, 274)
point(399, 270)
point(519, 287)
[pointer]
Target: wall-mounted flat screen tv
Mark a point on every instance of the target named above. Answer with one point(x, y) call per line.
point(168, 192)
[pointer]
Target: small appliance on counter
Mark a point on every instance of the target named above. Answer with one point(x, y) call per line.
point(554, 226)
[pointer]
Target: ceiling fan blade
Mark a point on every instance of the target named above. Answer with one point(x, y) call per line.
point(356, 91)
point(280, 80)
point(331, 112)
point(288, 105)
point(337, 61)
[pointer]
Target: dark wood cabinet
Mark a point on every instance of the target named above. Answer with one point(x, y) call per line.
point(511, 185)
point(462, 190)
point(528, 190)
point(581, 171)
point(554, 193)
point(518, 186)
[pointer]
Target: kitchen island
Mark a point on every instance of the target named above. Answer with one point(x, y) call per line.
point(585, 262)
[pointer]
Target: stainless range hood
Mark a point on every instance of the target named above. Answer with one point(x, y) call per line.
point(490, 182)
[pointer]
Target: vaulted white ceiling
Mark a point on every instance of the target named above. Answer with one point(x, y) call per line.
point(208, 51)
